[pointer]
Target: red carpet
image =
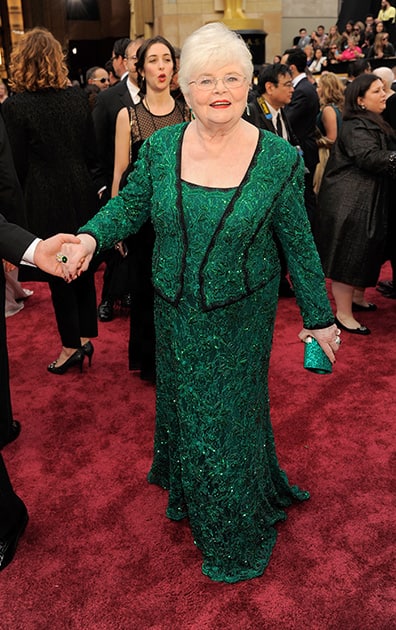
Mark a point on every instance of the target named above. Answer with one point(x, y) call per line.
point(99, 553)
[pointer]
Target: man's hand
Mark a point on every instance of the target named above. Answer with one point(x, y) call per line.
point(46, 251)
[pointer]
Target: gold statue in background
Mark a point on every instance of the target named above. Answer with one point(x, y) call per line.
point(233, 9)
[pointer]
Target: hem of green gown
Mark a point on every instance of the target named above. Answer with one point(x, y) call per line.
point(239, 574)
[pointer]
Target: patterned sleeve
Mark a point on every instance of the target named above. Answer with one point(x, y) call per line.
point(125, 214)
point(293, 229)
point(362, 144)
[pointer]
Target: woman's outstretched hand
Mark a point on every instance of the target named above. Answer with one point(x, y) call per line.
point(46, 254)
point(77, 256)
point(328, 339)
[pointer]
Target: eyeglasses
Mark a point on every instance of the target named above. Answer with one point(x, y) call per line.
point(230, 81)
point(287, 84)
point(102, 80)
point(134, 57)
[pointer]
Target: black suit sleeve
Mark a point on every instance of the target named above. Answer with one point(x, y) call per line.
point(14, 241)
point(11, 197)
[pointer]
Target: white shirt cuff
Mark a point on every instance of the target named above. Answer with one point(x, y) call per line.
point(28, 256)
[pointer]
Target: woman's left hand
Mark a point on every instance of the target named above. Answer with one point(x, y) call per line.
point(328, 339)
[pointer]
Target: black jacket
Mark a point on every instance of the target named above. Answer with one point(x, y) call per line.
point(302, 112)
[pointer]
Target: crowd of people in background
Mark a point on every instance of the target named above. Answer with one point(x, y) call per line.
point(375, 38)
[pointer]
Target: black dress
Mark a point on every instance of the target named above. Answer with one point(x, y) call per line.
point(54, 148)
point(141, 348)
point(351, 227)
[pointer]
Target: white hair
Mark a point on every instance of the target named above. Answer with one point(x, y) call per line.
point(212, 45)
point(386, 74)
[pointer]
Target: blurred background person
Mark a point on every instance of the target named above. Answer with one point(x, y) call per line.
point(352, 227)
point(113, 78)
point(334, 38)
point(346, 34)
point(97, 76)
point(125, 93)
point(266, 110)
point(302, 112)
point(331, 99)
point(381, 48)
point(53, 143)
point(318, 62)
point(302, 39)
point(351, 52)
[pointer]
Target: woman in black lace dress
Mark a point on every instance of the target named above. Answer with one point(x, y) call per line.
point(156, 65)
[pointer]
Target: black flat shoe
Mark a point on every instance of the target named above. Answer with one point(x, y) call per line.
point(362, 330)
point(106, 311)
point(77, 358)
point(9, 543)
point(364, 309)
point(88, 350)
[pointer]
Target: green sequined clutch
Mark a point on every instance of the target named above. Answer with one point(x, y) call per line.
point(315, 359)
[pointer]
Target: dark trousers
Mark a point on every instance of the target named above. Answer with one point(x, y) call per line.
point(115, 276)
point(5, 396)
point(75, 308)
point(10, 504)
point(142, 332)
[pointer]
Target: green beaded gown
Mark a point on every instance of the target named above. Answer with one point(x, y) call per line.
point(216, 275)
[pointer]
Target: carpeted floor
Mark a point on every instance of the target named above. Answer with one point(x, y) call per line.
point(99, 553)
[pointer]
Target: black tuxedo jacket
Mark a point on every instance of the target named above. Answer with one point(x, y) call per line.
point(302, 112)
point(14, 241)
point(255, 115)
point(108, 104)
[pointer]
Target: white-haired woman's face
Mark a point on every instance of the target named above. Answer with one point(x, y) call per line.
point(218, 96)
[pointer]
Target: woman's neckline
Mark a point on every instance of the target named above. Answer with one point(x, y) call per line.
point(222, 188)
point(148, 110)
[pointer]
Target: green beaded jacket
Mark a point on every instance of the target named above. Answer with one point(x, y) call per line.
point(242, 255)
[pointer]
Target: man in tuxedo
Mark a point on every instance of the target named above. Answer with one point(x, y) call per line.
point(12, 206)
point(302, 112)
point(265, 109)
point(125, 93)
point(16, 245)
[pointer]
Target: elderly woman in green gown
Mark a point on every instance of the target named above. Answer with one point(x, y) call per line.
point(218, 190)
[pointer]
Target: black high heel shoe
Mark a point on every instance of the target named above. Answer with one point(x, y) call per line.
point(77, 358)
point(88, 351)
